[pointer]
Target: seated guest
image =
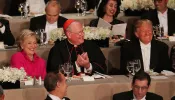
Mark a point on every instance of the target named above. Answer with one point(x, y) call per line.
point(5, 33)
point(27, 57)
point(173, 98)
point(153, 54)
point(108, 11)
point(1, 93)
point(49, 21)
point(83, 54)
point(36, 6)
point(140, 85)
point(162, 16)
point(55, 84)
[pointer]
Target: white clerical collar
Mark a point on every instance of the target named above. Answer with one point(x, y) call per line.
point(54, 97)
point(163, 14)
point(144, 98)
point(142, 45)
point(54, 24)
point(73, 44)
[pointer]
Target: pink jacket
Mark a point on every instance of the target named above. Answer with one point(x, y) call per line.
point(36, 68)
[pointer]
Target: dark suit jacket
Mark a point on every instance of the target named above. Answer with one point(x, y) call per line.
point(7, 36)
point(173, 98)
point(159, 59)
point(153, 16)
point(48, 98)
point(40, 22)
point(128, 95)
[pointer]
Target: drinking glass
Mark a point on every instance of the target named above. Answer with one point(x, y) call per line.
point(68, 70)
point(43, 37)
point(130, 68)
point(77, 6)
point(21, 9)
point(137, 65)
point(27, 10)
point(83, 7)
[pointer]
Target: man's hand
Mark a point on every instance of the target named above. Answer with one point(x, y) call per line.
point(83, 60)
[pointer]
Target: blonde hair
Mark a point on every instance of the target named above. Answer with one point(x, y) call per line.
point(140, 22)
point(24, 33)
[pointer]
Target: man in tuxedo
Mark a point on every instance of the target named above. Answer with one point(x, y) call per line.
point(173, 98)
point(140, 85)
point(5, 33)
point(85, 55)
point(50, 21)
point(55, 84)
point(1, 93)
point(153, 54)
point(162, 16)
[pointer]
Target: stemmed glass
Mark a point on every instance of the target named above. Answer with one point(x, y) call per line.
point(133, 66)
point(42, 36)
point(77, 6)
point(27, 10)
point(83, 7)
point(130, 68)
point(67, 68)
point(21, 9)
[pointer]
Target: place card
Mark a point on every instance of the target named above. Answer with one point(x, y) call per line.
point(1, 45)
point(28, 82)
point(171, 38)
point(88, 78)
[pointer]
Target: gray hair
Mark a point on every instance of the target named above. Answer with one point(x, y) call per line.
point(53, 3)
point(23, 34)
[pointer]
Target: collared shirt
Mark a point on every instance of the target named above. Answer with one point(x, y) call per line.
point(2, 29)
point(144, 98)
point(163, 20)
point(89, 70)
point(54, 97)
point(146, 53)
point(49, 27)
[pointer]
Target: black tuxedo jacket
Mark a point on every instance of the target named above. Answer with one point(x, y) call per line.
point(153, 16)
point(7, 36)
point(48, 98)
point(173, 98)
point(128, 95)
point(40, 22)
point(159, 59)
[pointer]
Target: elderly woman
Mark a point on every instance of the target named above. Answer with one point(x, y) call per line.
point(27, 57)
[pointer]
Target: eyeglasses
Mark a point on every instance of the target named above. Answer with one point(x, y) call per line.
point(142, 88)
point(159, 1)
point(79, 33)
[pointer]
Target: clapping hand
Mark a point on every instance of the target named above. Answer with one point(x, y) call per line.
point(83, 60)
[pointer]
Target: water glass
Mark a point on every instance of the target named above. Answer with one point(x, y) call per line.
point(21, 9)
point(67, 67)
point(77, 6)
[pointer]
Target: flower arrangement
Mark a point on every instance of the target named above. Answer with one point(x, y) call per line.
point(137, 4)
point(142, 4)
point(91, 33)
point(8, 74)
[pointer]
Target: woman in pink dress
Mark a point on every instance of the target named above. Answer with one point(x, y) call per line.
point(27, 57)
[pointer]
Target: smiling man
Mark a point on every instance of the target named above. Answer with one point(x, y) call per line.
point(162, 16)
point(85, 55)
point(152, 54)
point(140, 85)
point(51, 20)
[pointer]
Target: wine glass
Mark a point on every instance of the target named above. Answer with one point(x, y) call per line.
point(43, 36)
point(68, 70)
point(77, 6)
point(137, 65)
point(27, 9)
point(83, 7)
point(130, 68)
point(21, 9)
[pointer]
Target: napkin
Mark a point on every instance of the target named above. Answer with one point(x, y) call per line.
point(167, 73)
point(5, 16)
point(171, 38)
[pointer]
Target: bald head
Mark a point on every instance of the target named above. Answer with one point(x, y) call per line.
point(52, 11)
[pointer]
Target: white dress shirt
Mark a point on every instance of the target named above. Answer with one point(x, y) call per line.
point(89, 70)
point(144, 98)
point(54, 97)
point(36, 6)
point(2, 29)
point(49, 27)
point(146, 53)
point(163, 20)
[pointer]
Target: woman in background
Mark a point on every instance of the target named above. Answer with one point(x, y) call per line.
point(108, 11)
point(27, 57)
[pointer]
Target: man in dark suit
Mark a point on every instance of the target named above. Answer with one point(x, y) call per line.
point(140, 85)
point(5, 33)
point(173, 98)
point(49, 21)
point(152, 54)
point(55, 84)
point(162, 16)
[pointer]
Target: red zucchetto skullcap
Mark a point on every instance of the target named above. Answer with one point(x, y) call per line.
point(67, 23)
